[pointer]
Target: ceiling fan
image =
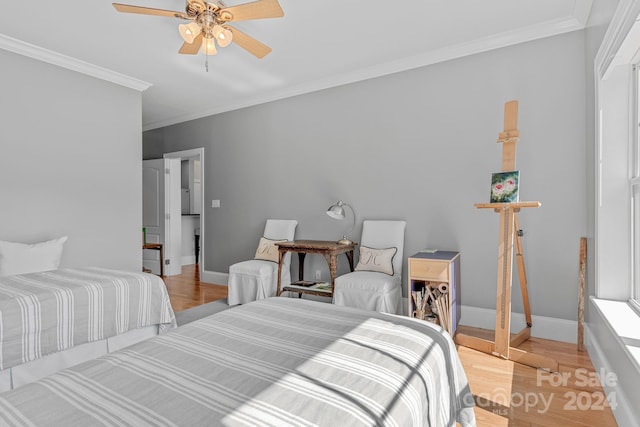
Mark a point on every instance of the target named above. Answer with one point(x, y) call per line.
point(209, 26)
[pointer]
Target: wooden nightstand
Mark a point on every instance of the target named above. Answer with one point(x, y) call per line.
point(434, 269)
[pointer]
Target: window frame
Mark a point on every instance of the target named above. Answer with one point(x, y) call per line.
point(634, 185)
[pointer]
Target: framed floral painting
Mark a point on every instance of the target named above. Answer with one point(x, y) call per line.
point(504, 187)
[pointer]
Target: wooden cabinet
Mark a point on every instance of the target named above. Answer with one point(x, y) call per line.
point(435, 270)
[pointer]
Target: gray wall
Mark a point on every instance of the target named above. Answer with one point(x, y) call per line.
point(418, 145)
point(70, 163)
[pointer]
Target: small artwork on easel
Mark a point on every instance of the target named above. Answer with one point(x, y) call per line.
point(504, 187)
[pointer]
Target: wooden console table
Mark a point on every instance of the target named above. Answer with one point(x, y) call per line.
point(329, 249)
point(157, 247)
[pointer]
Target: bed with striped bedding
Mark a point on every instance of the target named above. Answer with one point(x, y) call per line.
point(278, 361)
point(45, 313)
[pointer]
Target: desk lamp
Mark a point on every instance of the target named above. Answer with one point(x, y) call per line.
point(337, 212)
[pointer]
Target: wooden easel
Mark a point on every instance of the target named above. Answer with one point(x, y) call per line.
point(504, 345)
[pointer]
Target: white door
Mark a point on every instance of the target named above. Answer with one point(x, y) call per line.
point(197, 156)
point(161, 213)
point(173, 209)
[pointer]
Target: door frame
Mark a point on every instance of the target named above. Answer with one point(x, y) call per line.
point(154, 219)
point(197, 154)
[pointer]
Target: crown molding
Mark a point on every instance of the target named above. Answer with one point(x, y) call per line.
point(551, 28)
point(621, 24)
point(51, 57)
point(582, 11)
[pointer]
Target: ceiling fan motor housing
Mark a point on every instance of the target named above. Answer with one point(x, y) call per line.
point(195, 7)
point(208, 15)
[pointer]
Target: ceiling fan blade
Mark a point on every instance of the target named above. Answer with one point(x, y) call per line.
point(248, 43)
point(191, 48)
point(259, 9)
point(126, 8)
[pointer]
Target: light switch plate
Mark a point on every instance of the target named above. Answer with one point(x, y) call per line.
point(215, 203)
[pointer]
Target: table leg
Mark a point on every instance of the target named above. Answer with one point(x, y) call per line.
point(350, 258)
point(161, 261)
point(301, 256)
point(280, 255)
point(333, 269)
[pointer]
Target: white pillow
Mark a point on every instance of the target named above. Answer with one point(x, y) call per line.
point(20, 258)
point(378, 260)
point(267, 249)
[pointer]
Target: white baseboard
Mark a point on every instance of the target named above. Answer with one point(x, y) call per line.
point(188, 260)
point(549, 328)
point(543, 327)
point(214, 277)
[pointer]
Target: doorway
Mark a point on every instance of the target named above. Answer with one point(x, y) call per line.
point(192, 200)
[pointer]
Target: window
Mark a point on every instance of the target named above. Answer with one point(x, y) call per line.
point(617, 171)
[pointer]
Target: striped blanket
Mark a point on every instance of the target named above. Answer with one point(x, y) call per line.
point(43, 313)
point(274, 362)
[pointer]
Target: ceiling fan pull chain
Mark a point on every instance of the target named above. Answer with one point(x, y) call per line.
point(206, 62)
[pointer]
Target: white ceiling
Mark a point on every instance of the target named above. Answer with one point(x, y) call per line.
point(315, 45)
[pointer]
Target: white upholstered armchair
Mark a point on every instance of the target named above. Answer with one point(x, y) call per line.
point(376, 283)
point(258, 278)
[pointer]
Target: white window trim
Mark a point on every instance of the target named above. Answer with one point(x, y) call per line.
point(613, 325)
point(615, 133)
point(634, 176)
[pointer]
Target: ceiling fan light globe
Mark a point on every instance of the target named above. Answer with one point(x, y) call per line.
point(208, 46)
point(224, 41)
point(189, 31)
point(225, 38)
point(217, 30)
point(223, 35)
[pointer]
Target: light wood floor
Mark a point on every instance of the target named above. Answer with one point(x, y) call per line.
point(186, 290)
point(506, 393)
